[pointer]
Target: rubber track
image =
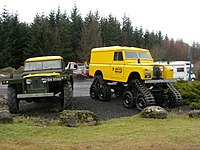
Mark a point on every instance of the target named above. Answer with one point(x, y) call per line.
point(176, 93)
point(139, 87)
point(105, 86)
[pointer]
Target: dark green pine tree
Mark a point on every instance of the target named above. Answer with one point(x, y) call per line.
point(76, 30)
point(146, 40)
point(156, 47)
point(111, 31)
point(104, 31)
point(91, 35)
point(5, 40)
point(62, 34)
point(138, 37)
point(159, 38)
point(37, 41)
point(13, 40)
point(22, 42)
point(127, 32)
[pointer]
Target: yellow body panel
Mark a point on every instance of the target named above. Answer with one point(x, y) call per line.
point(43, 58)
point(102, 60)
point(168, 72)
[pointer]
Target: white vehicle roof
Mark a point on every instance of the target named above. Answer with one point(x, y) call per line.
point(174, 63)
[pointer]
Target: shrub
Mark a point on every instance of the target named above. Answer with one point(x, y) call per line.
point(190, 92)
point(195, 105)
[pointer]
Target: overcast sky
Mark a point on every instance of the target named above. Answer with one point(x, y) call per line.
point(179, 19)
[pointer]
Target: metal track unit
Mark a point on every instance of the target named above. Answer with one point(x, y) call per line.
point(165, 94)
point(142, 95)
point(176, 95)
point(100, 89)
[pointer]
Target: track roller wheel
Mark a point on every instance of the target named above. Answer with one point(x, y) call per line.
point(170, 102)
point(119, 89)
point(93, 92)
point(104, 94)
point(140, 102)
point(128, 99)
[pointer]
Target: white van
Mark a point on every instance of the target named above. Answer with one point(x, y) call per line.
point(181, 69)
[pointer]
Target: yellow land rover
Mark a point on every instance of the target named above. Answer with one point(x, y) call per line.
point(132, 74)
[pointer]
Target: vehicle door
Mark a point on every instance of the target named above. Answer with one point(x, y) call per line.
point(118, 65)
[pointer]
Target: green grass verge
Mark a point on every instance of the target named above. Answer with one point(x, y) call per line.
point(176, 132)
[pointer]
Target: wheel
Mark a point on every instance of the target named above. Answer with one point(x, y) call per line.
point(128, 99)
point(140, 102)
point(102, 94)
point(66, 98)
point(170, 102)
point(93, 92)
point(102, 88)
point(119, 89)
point(13, 102)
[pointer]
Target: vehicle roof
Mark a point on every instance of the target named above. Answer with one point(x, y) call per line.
point(112, 48)
point(175, 62)
point(43, 58)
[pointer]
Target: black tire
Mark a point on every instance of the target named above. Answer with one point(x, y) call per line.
point(103, 94)
point(128, 99)
point(13, 102)
point(140, 102)
point(119, 90)
point(170, 102)
point(67, 95)
point(103, 89)
point(93, 92)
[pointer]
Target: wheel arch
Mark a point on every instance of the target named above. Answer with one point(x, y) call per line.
point(133, 75)
point(98, 73)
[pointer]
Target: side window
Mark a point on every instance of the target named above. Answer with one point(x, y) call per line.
point(131, 55)
point(75, 66)
point(118, 56)
point(180, 69)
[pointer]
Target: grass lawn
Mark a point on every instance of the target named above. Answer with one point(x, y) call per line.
point(175, 133)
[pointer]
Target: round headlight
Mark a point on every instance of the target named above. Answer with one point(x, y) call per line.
point(44, 80)
point(28, 81)
point(161, 68)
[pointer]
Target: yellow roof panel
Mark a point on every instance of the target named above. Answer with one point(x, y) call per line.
point(43, 58)
point(111, 48)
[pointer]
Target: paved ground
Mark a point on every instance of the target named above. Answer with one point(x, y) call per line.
point(81, 101)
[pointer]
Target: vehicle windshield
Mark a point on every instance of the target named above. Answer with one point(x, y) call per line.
point(142, 55)
point(188, 70)
point(42, 65)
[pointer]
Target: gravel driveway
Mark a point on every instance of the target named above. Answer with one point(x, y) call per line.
point(81, 101)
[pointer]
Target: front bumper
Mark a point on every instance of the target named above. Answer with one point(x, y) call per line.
point(35, 95)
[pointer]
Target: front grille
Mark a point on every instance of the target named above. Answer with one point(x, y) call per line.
point(157, 73)
point(36, 84)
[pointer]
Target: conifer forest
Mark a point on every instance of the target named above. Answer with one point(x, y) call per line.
point(73, 36)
